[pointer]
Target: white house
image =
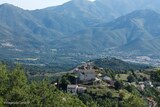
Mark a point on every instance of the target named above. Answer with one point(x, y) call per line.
point(148, 83)
point(86, 75)
point(81, 89)
point(99, 75)
point(72, 89)
point(141, 86)
point(75, 89)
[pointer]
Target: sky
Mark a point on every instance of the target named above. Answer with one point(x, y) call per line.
point(34, 4)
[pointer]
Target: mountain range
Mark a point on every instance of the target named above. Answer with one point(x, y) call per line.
point(80, 29)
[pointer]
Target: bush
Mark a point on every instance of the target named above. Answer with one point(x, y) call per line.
point(118, 85)
point(109, 94)
point(130, 78)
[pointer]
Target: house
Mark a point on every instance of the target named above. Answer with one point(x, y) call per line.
point(141, 86)
point(88, 66)
point(101, 69)
point(81, 89)
point(55, 83)
point(72, 89)
point(158, 87)
point(106, 78)
point(151, 102)
point(140, 83)
point(86, 75)
point(148, 83)
point(97, 81)
point(99, 75)
point(109, 81)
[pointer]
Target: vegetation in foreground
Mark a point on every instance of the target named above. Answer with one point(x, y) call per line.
point(17, 90)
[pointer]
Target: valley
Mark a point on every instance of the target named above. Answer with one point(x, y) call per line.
point(80, 30)
point(82, 53)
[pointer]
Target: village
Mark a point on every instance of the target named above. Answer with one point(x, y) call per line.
point(89, 78)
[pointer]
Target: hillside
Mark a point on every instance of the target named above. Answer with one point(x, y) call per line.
point(55, 93)
point(134, 33)
point(117, 64)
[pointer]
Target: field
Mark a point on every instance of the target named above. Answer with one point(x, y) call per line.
point(122, 77)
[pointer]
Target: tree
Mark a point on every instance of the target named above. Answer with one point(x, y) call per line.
point(118, 85)
point(134, 101)
point(3, 80)
point(158, 71)
point(109, 94)
point(155, 76)
point(106, 102)
point(145, 78)
point(130, 78)
point(92, 104)
point(18, 90)
point(36, 94)
point(1, 102)
point(130, 88)
point(43, 94)
point(63, 83)
point(18, 77)
point(85, 98)
point(121, 95)
point(110, 73)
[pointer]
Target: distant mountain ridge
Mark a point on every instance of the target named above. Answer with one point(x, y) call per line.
point(133, 32)
point(80, 29)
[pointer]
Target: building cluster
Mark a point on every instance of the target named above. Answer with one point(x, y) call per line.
point(87, 74)
point(141, 85)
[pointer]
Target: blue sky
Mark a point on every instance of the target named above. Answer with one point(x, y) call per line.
point(34, 4)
